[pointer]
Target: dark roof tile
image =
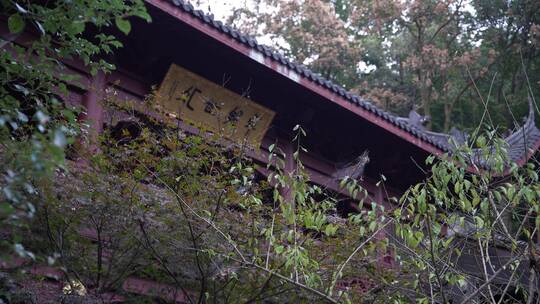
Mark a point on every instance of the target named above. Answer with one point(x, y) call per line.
point(198, 13)
point(186, 6)
point(518, 147)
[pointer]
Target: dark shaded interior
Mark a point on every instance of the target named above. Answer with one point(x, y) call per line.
point(334, 133)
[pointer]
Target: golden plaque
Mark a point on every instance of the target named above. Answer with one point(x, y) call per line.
point(193, 99)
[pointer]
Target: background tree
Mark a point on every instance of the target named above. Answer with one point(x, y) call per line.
point(309, 31)
point(440, 56)
point(511, 29)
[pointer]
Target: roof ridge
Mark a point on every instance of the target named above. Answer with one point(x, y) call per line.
point(304, 71)
point(433, 138)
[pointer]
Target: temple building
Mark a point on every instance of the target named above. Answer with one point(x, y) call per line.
point(197, 67)
point(184, 47)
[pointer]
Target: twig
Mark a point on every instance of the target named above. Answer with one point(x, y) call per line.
point(339, 272)
point(433, 260)
point(163, 264)
point(298, 284)
point(507, 285)
point(488, 281)
point(210, 223)
point(271, 237)
point(197, 259)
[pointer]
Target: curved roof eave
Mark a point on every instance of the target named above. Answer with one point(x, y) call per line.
point(298, 73)
point(428, 141)
point(520, 144)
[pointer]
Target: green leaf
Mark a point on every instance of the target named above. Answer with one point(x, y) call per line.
point(362, 230)
point(6, 209)
point(481, 142)
point(144, 15)
point(484, 206)
point(528, 194)
point(372, 226)
point(475, 201)
point(457, 187)
point(76, 27)
point(479, 222)
point(16, 23)
point(343, 182)
point(123, 25)
point(330, 230)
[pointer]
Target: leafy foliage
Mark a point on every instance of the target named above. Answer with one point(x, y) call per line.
point(185, 210)
point(201, 216)
point(182, 209)
point(36, 124)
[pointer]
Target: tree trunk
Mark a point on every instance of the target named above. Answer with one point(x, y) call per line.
point(448, 107)
point(425, 97)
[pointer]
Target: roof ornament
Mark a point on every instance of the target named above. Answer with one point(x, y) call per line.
point(353, 169)
point(460, 137)
point(519, 144)
point(415, 119)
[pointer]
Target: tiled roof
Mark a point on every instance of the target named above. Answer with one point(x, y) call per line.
point(520, 142)
point(306, 72)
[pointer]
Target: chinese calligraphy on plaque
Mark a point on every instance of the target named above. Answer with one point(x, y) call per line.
point(196, 100)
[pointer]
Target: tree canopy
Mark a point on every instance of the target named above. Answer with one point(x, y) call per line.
point(449, 59)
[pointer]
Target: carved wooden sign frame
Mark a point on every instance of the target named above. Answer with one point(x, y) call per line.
point(196, 100)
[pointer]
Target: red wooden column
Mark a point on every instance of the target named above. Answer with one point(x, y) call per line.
point(93, 115)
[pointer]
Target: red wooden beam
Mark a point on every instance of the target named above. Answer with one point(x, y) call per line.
point(320, 172)
point(169, 8)
point(276, 66)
